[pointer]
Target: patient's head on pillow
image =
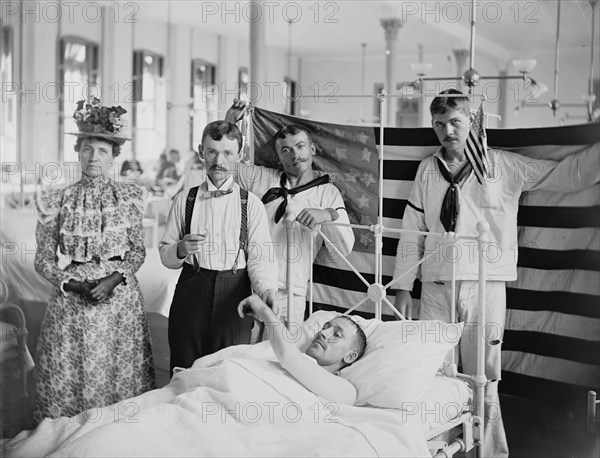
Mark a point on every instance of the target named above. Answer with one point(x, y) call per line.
point(338, 344)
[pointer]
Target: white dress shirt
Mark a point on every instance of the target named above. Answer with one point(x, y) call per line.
point(220, 218)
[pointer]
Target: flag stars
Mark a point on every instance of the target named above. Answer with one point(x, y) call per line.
point(367, 178)
point(361, 137)
point(351, 176)
point(363, 201)
point(366, 238)
point(365, 220)
point(334, 176)
point(340, 153)
point(366, 155)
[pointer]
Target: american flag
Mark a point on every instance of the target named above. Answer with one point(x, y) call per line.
point(476, 150)
point(551, 347)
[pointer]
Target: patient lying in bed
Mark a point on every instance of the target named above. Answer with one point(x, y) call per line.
point(269, 399)
point(338, 344)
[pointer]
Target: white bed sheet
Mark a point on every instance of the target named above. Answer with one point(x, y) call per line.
point(446, 399)
point(17, 232)
point(237, 402)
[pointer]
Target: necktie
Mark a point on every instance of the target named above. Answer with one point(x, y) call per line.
point(284, 192)
point(216, 193)
point(451, 204)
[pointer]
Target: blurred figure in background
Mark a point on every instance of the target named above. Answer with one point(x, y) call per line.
point(194, 174)
point(178, 164)
point(165, 167)
point(131, 169)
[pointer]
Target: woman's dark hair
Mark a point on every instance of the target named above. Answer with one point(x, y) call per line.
point(116, 148)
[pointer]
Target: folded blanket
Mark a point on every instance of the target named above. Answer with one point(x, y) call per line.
point(238, 402)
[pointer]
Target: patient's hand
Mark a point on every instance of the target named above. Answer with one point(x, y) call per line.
point(254, 306)
point(237, 111)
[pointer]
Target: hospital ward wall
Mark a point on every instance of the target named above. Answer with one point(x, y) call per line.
point(332, 76)
point(179, 44)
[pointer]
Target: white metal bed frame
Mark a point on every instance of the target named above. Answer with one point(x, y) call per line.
point(472, 422)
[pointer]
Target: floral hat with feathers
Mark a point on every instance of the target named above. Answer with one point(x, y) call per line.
point(95, 120)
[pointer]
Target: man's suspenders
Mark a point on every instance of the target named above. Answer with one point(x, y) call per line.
point(189, 209)
point(243, 229)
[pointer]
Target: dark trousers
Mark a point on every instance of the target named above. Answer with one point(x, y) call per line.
point(203, 317)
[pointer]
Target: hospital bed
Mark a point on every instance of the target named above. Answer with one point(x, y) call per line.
point(452, 413)
point(239, 402)
point(236, 402)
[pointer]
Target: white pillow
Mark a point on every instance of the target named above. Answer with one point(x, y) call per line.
point(401, 359)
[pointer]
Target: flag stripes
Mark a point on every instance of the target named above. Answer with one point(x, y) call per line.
point(476, 150)
point(565, 217)
point(545, 367)
point(562, 324)
point(564, 302)
point(557, 291)
point(552, 345)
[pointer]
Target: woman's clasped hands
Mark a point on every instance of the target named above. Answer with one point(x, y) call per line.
point(95, 291)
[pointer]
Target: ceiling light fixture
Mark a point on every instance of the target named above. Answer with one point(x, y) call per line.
point(471, 77)
point(588, 99)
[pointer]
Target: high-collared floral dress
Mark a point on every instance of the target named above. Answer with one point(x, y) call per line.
point(91, 355)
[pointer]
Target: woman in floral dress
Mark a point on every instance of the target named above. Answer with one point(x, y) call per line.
point(94, 348)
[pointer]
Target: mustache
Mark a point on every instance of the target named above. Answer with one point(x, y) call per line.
point(299, 160)
point(218, 168)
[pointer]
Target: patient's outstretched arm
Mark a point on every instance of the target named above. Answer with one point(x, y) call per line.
point(314, 377)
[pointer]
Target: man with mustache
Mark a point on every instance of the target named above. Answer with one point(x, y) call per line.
point(446, 196)
point(219, 234)
point(299, 190)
